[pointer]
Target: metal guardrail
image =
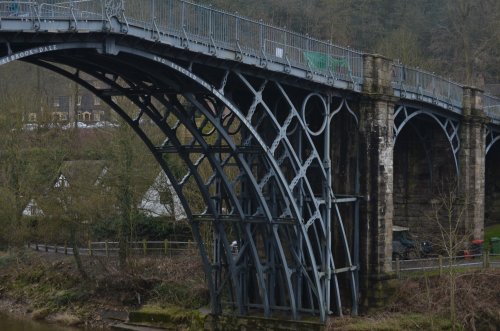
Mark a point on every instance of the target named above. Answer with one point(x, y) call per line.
point(491, 106)
point(111, 248)
point(199, 24)
point(203, 24)
point(195, 24)
point(440, 263)
point(427, 84)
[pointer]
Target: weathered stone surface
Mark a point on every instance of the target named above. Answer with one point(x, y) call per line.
point(423, 163)
point(472, 161)
point(174, 318)
point(376, 168)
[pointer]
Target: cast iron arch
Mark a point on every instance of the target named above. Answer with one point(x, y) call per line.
point(345, 107)
point(492, 137)
point(404, 114)
point(315, 253)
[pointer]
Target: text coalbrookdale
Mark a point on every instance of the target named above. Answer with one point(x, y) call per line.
point(26, 53)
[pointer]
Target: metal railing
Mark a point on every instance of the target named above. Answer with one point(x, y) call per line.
point(427, 84)
point(200, 25)
point(491, 106)
point(441, 263)
point(111, 248)
point(218, 29)
point(203, 25)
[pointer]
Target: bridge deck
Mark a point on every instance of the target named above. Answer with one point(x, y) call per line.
point(228, 36)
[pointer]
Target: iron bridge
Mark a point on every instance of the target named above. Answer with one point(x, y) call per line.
point(257, 102)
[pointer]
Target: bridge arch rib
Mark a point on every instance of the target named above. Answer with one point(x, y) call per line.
point(492, 137)
point(450, 127)
point(425, 160)
point(260, 160)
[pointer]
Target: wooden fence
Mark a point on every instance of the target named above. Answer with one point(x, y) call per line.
point(111, 248)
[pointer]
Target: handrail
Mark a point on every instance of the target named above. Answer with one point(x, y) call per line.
point(109, 248)
point(200, 24)
point(425, 83)
point(491, 106)
point(197, 24)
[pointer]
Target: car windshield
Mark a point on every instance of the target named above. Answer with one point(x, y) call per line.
point(401, 234)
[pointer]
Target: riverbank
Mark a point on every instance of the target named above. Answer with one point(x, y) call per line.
point(48, 287)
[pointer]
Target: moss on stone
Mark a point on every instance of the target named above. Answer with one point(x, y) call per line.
point(168, 316)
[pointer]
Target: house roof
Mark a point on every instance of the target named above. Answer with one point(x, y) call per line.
point(81, 172)
point(153, 204)
point(33, 210)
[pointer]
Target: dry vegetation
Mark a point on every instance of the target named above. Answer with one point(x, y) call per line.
point(477, 294)
point(46, 285)
point(422, 303)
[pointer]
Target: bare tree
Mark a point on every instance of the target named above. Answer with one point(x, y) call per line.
point(447, 214)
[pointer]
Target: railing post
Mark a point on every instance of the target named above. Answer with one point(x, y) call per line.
point(153, 15)
point(237, 30)
point(165, 246)
point(36, 247)
point(106, 247)
point(433, 85)
point(55, 248)
point(65, 248)
point(486, 262)
point(449, 90)
point(417, 81)
point(261, 35)
point(90, 249)
point(398, 267)
point(144, 247)
point(183, 14)
point(46, 247)
point(210, 21)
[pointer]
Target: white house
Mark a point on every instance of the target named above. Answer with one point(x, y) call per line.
point(33, 210)
point(161, 200)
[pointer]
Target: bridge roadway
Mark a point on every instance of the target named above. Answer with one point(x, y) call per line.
point(259, 104)
point(226, 36)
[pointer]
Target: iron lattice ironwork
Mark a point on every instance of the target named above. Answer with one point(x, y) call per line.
point(238, 114)
point(114, 8)
point(250, 160)
point(449, 124)
point(492, 137)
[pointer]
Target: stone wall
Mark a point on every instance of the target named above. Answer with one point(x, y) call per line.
point(423, 164)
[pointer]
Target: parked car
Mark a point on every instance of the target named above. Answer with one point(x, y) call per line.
point(474, 249)
point(405, 247)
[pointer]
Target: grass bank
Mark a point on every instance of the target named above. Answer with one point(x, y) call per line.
point(46, 286)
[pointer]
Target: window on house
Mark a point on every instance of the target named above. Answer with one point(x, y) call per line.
point(32, 117)
point(97, 117)
point(56, 102)
point(79, 100)
point(61, 182)
point(97, 101)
